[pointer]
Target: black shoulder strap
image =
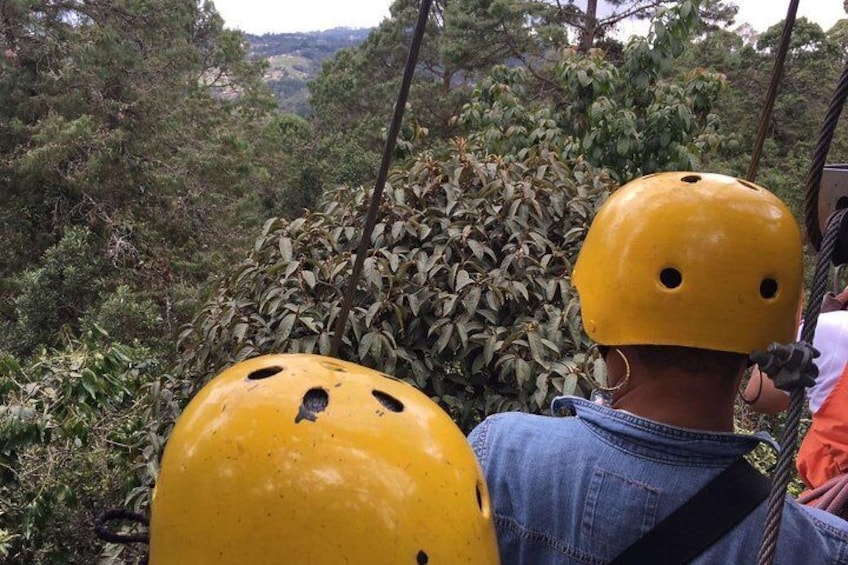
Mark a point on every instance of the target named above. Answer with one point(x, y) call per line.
point(702, 520)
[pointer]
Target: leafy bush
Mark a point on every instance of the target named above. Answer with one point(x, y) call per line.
point(126, 316)
point(465, 293)
point(57, 293)
point(79, 429)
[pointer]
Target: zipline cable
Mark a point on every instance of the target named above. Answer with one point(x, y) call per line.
point(771, 95)
point(376, 197)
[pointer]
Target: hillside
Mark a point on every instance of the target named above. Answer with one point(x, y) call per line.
point(295, 58)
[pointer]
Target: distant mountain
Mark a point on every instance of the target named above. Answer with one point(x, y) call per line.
point(295, 58)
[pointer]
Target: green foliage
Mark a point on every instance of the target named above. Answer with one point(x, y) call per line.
point(811, 72)
point(299, 184)
point(355, 90)
point(125, 316)
point(143, 121)
point(625, 117)
point(592, 26)
point(466, 291)
point(57, 293)
point(74, 426)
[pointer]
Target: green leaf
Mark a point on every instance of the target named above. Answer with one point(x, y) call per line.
point(285, 249)
point(462, 280)
point(286, 325)
point(536, 347)
point(365, 345)
point(522, 372)
point(623, 146)
point(444, 338)
point(324, 343)
point(489, 349)
point(309, 278)
point(476, 249)
point(239, 331)
point(414, 304)
point(541, 393)
point(372, 311)
point(291, 268)
point(471, 300)
point(569, 384)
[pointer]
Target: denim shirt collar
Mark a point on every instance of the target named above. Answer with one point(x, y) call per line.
point(658, 441)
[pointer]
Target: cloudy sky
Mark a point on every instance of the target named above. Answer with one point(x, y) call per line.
point(260, 16)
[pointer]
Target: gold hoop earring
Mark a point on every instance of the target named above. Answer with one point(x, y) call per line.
point(626, 374)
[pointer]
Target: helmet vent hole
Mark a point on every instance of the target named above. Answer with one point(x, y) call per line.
point(768, 288)
point(747, 184)
point(264, 373)
point(316, 400)
point(388, 401)
point(422, 558)
point(691, 179)
point(479, 498)
point(671, 278)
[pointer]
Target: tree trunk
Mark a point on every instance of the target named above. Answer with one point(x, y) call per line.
point(587, 34)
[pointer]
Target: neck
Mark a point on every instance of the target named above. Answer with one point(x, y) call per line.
point(698, 407)
point(699, 401)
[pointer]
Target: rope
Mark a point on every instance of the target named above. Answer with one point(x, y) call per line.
point(119, 514)
point(831, 496)
point(373, 209)
point(771, 95)
point(782, 474)
point(811, 200)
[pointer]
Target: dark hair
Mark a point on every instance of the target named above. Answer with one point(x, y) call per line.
point(692, 360)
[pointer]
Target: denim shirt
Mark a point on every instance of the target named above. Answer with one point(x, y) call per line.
point(582, 489)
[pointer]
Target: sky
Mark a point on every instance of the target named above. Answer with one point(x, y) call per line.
point(282, 16)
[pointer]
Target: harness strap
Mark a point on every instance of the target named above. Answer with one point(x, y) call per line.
point(702, 520)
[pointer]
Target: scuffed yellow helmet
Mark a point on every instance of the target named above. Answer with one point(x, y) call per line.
point(306, 459)
point(691, 259)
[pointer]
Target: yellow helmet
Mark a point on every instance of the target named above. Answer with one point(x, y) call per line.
point(306, 459)
point(691, 259)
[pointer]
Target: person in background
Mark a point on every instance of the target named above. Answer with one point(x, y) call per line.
point(823, 454)
point(712, 270)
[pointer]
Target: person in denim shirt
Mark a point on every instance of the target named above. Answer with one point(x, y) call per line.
point(680, 278)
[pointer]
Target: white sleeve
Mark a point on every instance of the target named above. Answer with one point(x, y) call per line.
point(831, 340)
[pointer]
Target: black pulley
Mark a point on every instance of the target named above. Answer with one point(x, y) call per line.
point(833, 196)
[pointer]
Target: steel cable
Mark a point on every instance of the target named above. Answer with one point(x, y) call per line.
point(771, 95)
point(783, 471)
point(376, 197)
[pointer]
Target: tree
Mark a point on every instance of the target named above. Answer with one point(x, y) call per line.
point(839, 35)
point(629, 117)
point(140, 120)
point(810, 74)
point(465, 292)
point(356, 89)
point(598, 19)
point(77, 427)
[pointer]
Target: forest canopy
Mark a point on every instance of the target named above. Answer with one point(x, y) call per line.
point(163, 217)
